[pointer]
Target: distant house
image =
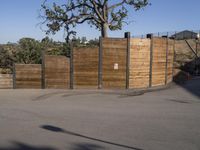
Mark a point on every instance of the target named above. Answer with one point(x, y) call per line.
point(185, 35)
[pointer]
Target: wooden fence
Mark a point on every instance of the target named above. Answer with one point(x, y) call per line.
point(125, 63)
point(170, 61)
point(56, 72)
point(85, 67)
point(139, 63)
point(118, 63)
point(151, 62)
point(53, 73)
point(27, 76)
point(6, 81)
point(113, 57)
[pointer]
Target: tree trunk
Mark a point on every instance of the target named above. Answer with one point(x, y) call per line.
point(104, 30)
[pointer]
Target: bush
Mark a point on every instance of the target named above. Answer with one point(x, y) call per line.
point(6, 61)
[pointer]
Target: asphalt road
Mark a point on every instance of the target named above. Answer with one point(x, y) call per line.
point(95, 120)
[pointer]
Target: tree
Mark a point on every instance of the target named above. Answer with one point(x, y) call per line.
point(29, 51)
point(94, 42)
point(6, 60)
point(103, 14)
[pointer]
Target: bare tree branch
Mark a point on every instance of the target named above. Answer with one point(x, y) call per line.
point(97, 11)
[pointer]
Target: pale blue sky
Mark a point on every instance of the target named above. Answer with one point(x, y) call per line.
point(19, 18)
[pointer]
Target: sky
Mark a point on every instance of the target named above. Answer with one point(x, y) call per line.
point(19, 18)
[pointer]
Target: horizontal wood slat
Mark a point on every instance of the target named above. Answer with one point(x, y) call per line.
point(57, 72)
point(114, 52)
point(139, 63)
point(159, 61)
point(6, 81)
point(28, 76)
point(85, 62)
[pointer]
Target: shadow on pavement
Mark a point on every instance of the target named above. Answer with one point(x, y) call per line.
point(22, 146)
point(86, 146)
point(188, 77)
point(57, 129)
point(192, 86)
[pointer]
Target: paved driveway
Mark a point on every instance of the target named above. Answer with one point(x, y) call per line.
point(93, 120)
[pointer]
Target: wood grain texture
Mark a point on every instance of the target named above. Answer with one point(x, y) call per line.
point(139, 63)
point(28, 76)
point(6, 81)
point(114, 55)
point(170, 60)
point(57, 69)
point(114, 66)
point(85, 62)
point(159, 61)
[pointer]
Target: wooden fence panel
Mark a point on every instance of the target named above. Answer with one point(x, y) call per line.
point(85, 63)
point(6, 81)
point(57, 72)
point(159, 61)
point(114, 53)
point(117, 64)
point(28, 76)
point(170, 60)
point(139, 63)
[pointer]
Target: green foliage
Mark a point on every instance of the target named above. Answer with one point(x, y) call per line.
point(94, 42)
point(65, 50)
point(6, 60)
point(55, 48)
point(29, 51)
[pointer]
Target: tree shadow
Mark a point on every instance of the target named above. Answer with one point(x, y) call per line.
point(23, 146)
point(188, 77)
point(86, 146)
point(57, 129)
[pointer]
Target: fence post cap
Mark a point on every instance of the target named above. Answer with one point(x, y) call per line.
point(149, 36)
point(127, 34)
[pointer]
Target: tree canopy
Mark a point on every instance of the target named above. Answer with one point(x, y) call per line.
point(103, 14)
point(6, 59)
point(29, 51)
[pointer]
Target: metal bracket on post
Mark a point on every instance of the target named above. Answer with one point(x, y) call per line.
point(127, 35)
point(71, 67)
point(150, 36)
point(100, 63)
